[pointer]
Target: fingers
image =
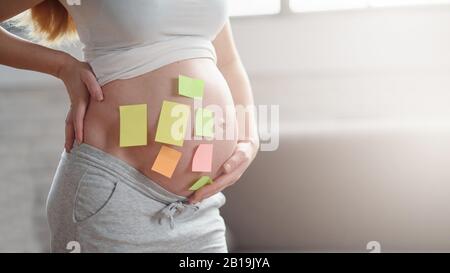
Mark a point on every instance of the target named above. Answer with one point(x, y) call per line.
point(207, 190)
point(93, 86)
point(234, 167)
point(235, 160)
point(81, 85)
point(239, 156)
point(218, 185)
point(78, 120)
point(70, 132)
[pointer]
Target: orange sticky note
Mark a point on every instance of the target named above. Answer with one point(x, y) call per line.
point(202, 161)
point(166, 161)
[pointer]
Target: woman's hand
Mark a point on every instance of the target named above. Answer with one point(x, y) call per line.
point(81, 84)
point(233, 169)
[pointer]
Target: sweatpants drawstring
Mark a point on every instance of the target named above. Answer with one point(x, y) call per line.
point(174, 209)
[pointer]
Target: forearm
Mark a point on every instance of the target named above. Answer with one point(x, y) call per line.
point(19, 53)
point(241, 90)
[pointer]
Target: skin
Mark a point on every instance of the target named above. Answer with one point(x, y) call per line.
point(93, 116)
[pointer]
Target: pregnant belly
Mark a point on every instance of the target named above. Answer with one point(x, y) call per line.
point(102, 123)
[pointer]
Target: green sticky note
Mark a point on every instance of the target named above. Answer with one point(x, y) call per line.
point(200, 183)
point(133, 125)
point(192, 88)
point(172, 124)
point(204, 123)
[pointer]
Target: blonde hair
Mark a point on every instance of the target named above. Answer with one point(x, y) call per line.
point(50, 22)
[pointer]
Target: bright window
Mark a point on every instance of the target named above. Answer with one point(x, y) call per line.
point(254, 7)
point(387, 3)
point(322, 5)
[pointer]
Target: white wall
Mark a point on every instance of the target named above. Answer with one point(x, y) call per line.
point(376, 39)
point(383, 64)
point(335, 191)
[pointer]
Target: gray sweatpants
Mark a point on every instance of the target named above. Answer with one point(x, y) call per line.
point(103, 204)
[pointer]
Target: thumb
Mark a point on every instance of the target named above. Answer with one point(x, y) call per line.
point(233, 162)
point(93, 86)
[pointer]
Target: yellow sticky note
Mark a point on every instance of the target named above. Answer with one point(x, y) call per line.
point(172, 123)
point(189, 87)
point(133, 125)
point(166, 161)
point(204, 123)
point(200, 183)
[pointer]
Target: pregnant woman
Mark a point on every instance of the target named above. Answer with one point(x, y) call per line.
point(106, 197)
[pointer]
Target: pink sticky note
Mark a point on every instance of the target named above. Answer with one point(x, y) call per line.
point(203, 158)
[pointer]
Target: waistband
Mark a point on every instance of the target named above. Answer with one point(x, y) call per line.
point(95, 157)
point(175, 204)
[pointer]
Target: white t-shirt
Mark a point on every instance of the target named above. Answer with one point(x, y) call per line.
point(127, 38)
